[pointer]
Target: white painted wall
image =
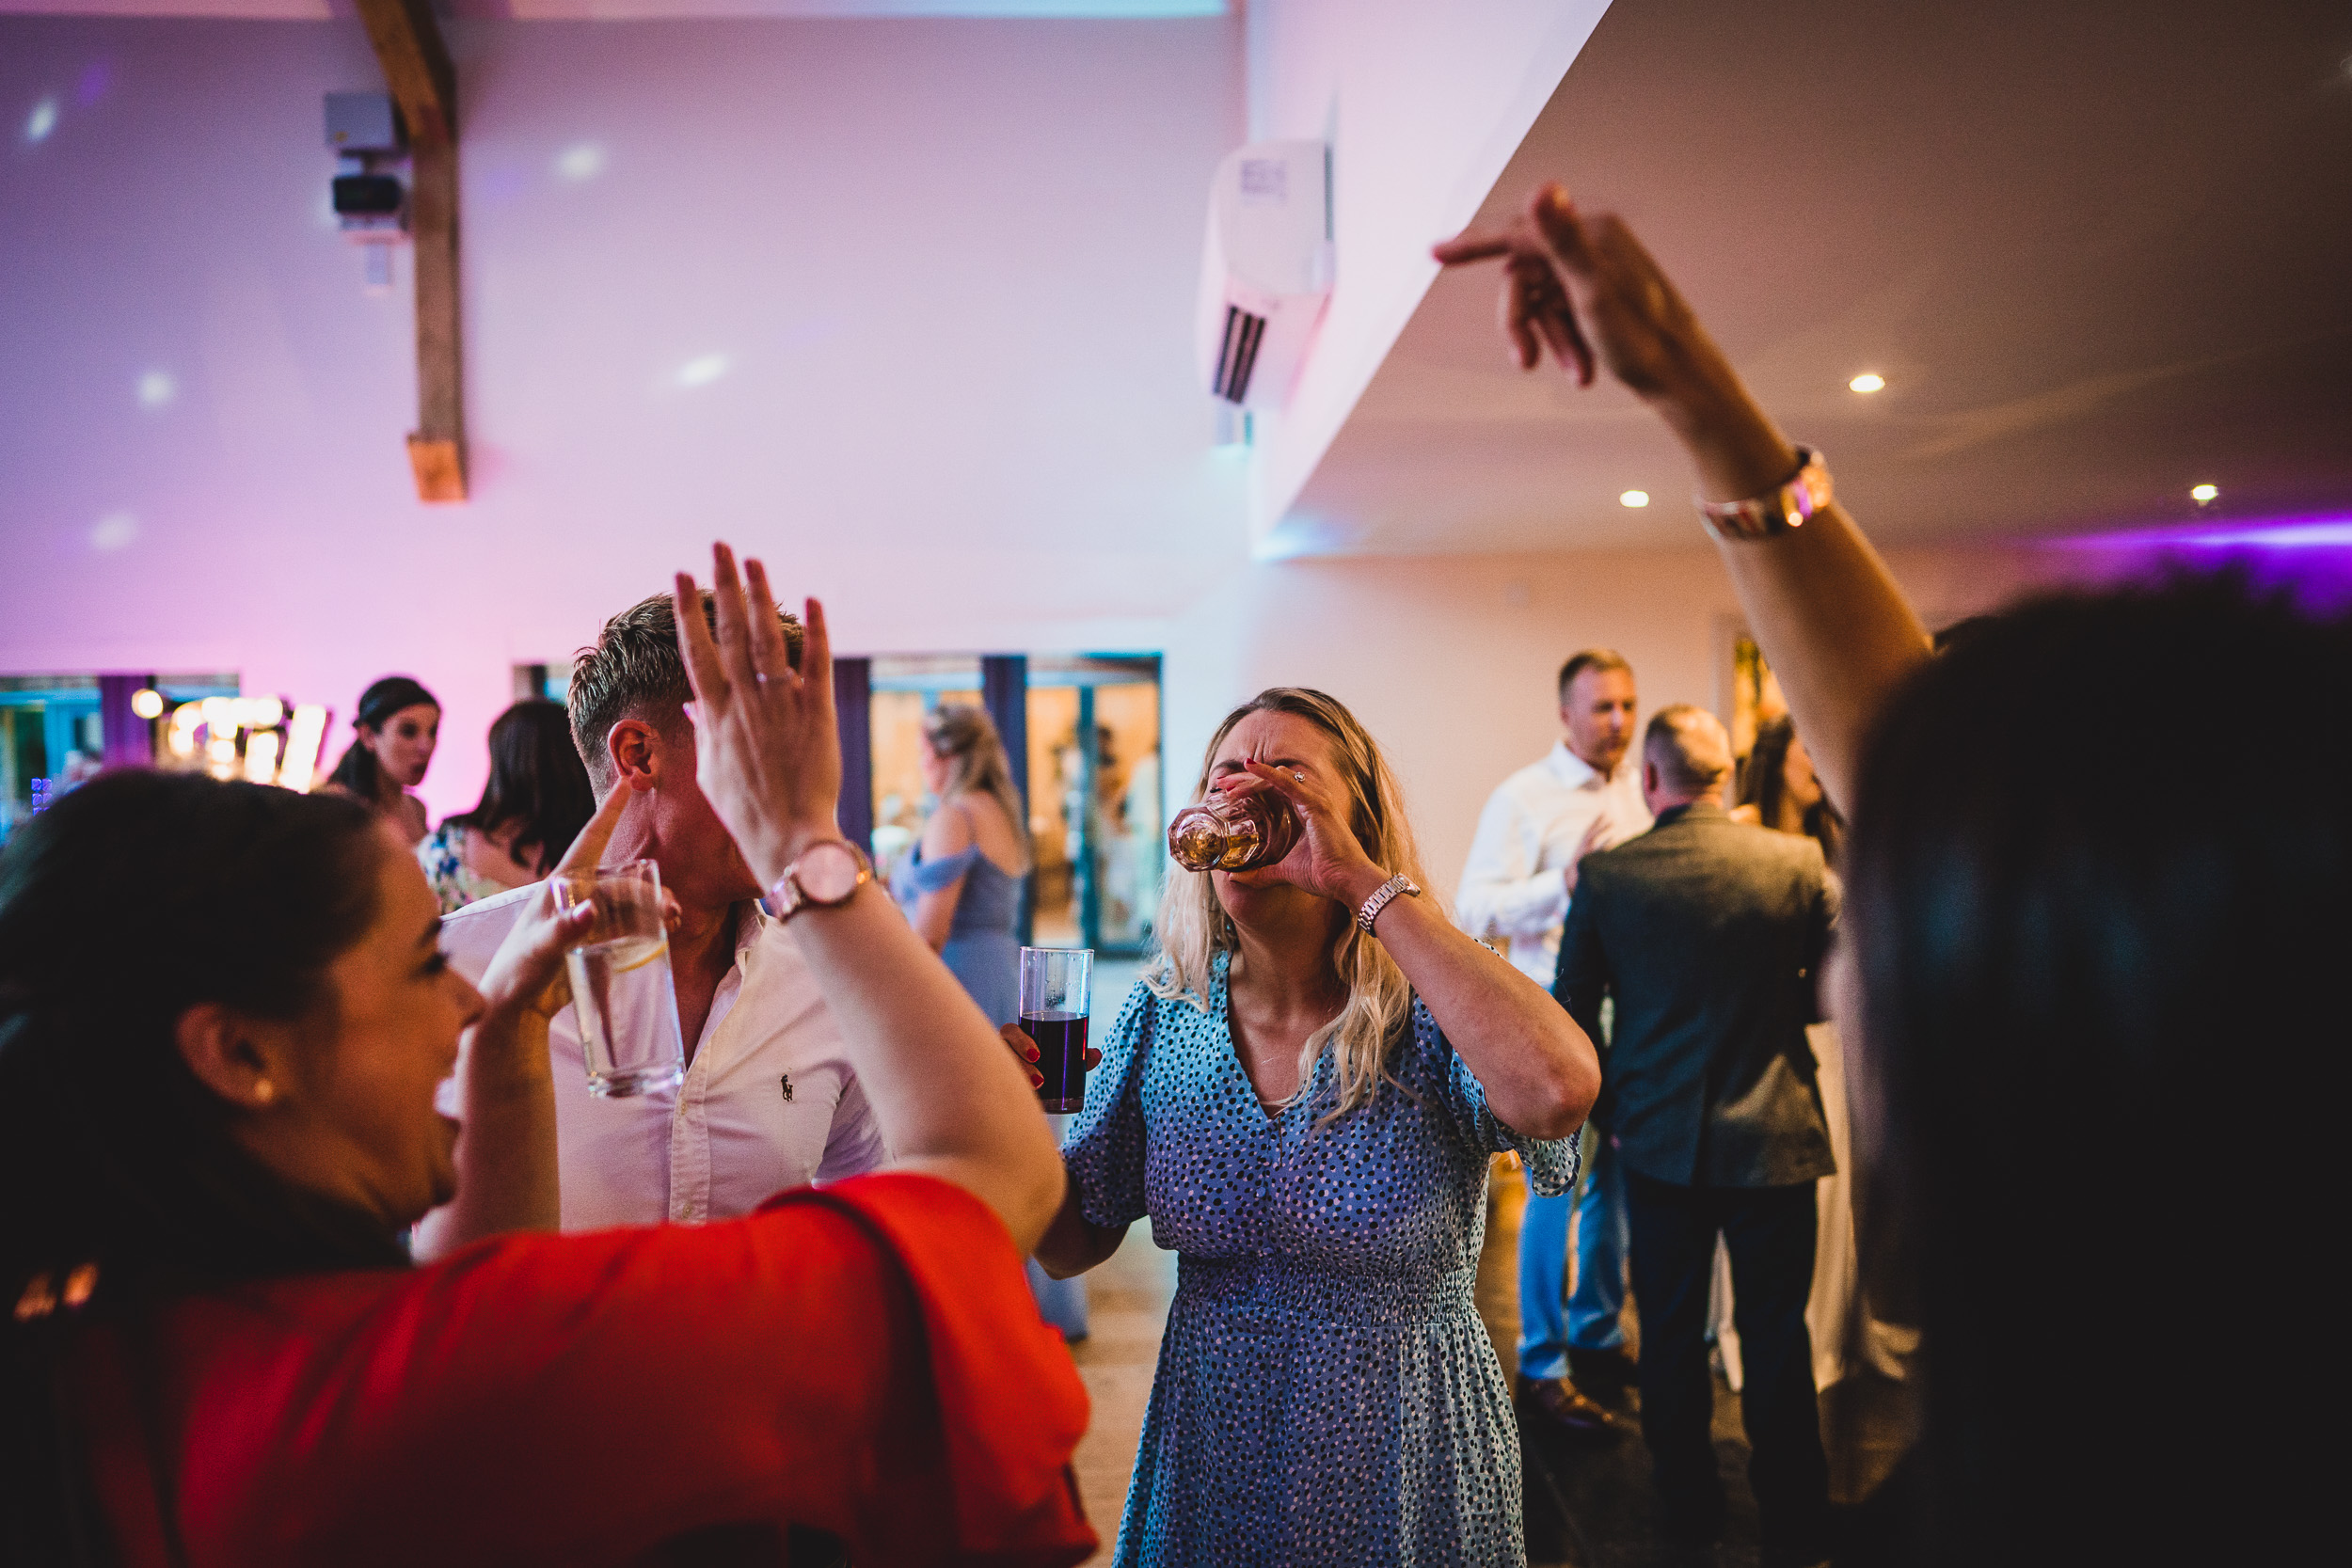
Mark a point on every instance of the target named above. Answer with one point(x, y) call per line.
point(1422, 106)
point(1451, 661)
point(903, 306)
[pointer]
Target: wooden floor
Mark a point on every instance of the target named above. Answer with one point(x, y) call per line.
point(1588, 1501)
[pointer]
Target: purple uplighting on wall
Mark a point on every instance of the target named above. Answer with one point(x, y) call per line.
point(2311, 556)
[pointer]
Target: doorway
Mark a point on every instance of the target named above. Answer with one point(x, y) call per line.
point(1092, 784)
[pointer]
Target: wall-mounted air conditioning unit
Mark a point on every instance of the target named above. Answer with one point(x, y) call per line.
point(1265, 274)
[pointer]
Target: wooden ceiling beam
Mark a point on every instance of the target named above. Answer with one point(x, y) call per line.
point(416, 66)
point(424, 83)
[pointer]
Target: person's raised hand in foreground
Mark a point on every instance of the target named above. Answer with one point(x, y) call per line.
point(951, 1100)
point(1827, 614)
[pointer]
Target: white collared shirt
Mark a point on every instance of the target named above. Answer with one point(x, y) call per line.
point(768, 1103)
point(1512, 887)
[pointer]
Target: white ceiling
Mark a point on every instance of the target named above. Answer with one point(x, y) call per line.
point(628, 10)
point(2101, 252)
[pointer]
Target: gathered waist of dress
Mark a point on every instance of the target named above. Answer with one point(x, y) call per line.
point(1278, 1288)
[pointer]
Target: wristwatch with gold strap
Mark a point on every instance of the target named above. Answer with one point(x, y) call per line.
point(1777, 511)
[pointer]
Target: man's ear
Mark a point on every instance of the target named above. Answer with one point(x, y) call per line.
point(231, 1057)
point(1649, 777)
point(633, 749)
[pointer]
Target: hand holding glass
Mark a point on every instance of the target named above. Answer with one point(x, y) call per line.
point(1057, 1002)
point(621, 984)
point(1233, 832)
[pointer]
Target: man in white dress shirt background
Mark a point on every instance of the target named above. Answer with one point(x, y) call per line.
point(768, 1101)
point(1515, 889)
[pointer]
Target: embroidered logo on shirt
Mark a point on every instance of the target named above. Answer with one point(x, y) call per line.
point(787, 1082)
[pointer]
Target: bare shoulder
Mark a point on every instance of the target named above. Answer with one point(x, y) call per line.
point(948, 832)
point(993, 829)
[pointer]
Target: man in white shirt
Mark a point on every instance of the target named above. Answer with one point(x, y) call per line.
point(1516, 888)
point(768, 1101)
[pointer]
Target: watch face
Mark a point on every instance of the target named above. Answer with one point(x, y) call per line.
point(826, 872)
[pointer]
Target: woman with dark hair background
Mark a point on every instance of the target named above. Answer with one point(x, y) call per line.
point(223, 1015)
point(393, 734)
point(2057, 970)
point(535, 802)
point(1778, 788)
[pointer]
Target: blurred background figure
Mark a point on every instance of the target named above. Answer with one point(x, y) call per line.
point(962, 887)
point(535, 802)
point(1538, 826)
point(1707, 934)
point(398, 724)
point(962, 884)
point(1778, 789)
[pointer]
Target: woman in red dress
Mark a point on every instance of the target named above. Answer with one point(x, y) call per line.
point(222, 1021)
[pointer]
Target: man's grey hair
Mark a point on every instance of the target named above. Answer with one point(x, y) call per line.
point(1689, 747)
point(635, 670)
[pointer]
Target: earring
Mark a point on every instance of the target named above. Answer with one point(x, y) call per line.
point(265, 1091)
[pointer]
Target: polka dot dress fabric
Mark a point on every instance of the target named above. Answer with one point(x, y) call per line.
point(1326, 1392)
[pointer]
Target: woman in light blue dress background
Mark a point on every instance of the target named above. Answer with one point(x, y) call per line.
point(1306, 1113)
point(962, 889)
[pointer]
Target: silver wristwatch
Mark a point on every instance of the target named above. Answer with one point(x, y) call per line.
point(1380, 901)
point(1775, 512)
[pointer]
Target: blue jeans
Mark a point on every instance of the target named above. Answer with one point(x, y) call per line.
point(1062, 1303)
point(1591, 1320)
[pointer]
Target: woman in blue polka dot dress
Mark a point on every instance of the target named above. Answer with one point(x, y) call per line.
point(1305, 1111)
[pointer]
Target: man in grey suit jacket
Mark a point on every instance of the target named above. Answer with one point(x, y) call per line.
point(1708, 934)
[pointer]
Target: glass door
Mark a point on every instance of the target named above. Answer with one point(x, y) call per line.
point(1094, 785)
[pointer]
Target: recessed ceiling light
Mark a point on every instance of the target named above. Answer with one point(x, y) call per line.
point(2200, 494)
point(1634, 497)
point(1868, 381)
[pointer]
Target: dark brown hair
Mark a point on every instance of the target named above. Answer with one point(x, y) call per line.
point(2101, 1006)
point(137, 896)
point(1764, 782)
point(536, 779)
point(357, 769)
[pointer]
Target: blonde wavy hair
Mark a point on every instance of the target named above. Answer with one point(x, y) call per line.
point(1194, 927)
point(965, 738)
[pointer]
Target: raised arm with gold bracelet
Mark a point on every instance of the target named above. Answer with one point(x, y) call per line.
point(1826, 613)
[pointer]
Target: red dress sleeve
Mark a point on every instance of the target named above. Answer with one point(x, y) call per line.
point(863, 1359)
